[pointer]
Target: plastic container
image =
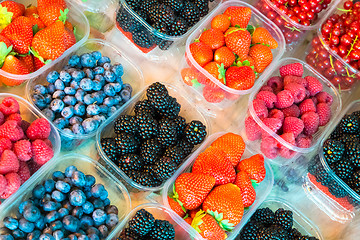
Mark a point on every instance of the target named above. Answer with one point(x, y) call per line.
point(254, 146)
point(294, 32)
point(231, 95)
point(339, 207)
point(30, 114)
point(78, 19)
point(182, 232)
point(132, 75)
point(118, 194)
point(107, 130)
point(159, 43)
point(262, 190)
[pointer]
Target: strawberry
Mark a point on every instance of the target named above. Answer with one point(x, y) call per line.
point(193, 212)
point(50, 13)
point(175, 206)
point(190, 76)
point(5, 40)
point(213, 94)
point(240, 78)
point(8, 162)
point(214, 162)
point(217, 71)
point(70, 39)
point(207, 226)
point(28, 62)
point(224, 203)
point(254, 167)
point(201, 52)
point(192, 189)
point(247, 190)
point(15, 66)
point(17, 9)
point(62, 3)
point(233, 145)
point(68, 25)
point(239, 16)
point(20, 34)
point(38, 63)
point(13, 184)
point(3, 184)
point(261, 35)
point(224, 56)
point(213, 38)
point(32, 13)
point(221, 22)
point(262, 56)
point(188, 220)
point(238, 40)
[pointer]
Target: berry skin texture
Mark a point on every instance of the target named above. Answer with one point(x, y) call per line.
point(276, 113)
point(221, 22)
point(311, 123)
point(260, 108)
point(262, 56)
point(324, 112)
point(276, 83)
point(8, 162)
point(293, 69)
point(314, 85)
point(238, 41)
point(214, 38)
point(17, 9)
point(268, 97)
point(42, 152)
point(238, 16)
point(324, 97)
point(201, 52)
point(247, 190)
point(24, 172)
point(207, 226)
point(294, 79)
point(253, 130)
point(284, 99)
point(39, 129)
point(9, 105)
point(297, 91)
point(254, 167)
point(3, 184)
point(225, 56)
point(11, 130)
point(5, 143)
point(261, 35)
point(175, 206)
point(13, 184)
point(293, 125)
point(303, 141)
point(240, 78)
point(307, 106)
point(269, 147)
point(292, 111)
point(274, 124)
point(23, 150)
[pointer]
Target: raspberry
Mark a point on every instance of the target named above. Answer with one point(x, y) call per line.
point(293, 69)
point(276, 113)
point(284, 151)
point(24, 172)
point(23, 150)
point(3, 184)
point(314, 99)
point(266, 88)
point(8, 162)
point(293, 125)
point(33, 166)
point(284, 99)
point(314, 85)
point(5, 144)
point(213, 95)
point(48, 142)
point(274, 124)
point(13, 184)
point(11, 130)
point(288, 137)
point(307, 106)
point(294, 79)
point(24, 125)
point(297, 91)
point(14, 116)
point(269, 98)
point(42, 152)
point(292, 111)
point(252, 129)
point(303, 141)
point(9, 105)
point(269, 147)
point(324, 97)
point(311, 123)
point(260, 109)
point(39, 129)
point(324, 111)
point(2, 118)
point(276, 83)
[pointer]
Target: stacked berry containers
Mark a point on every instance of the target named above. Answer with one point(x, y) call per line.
point(117, 193)
point(132, 75)
point(78, 19)
point(151, 43)
point(107, 130)
point(287, 21)
point(182, 231)
point(188, 62)
point(323, 185)
point(262, 189)
point(278, 150)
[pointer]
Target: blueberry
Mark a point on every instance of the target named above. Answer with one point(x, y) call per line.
point(89, 73)
point(88, 99)
point(62, 186)
point(111, 111)
point(69, 100)
point(70, 70)
point(68, 181)
point(97, 86)
point(65, 76)
point(47, 230)
point(112, 219)
point(90, 181)
point(11, 223)
point(50, 88)
point(48, 114)
point(63, 212)
point(55, 225)
point(75, 119)
point(92, 230)
point(67, 205)
point(77, 198)
point(90, 125)
point(77, 212)
point(40, 89)
point(104, 109)
point(72, 237)
point(96, 55)
point(87, 60)
point(83, 237)
point(40, 223)
point(60, 123)
point(58, 234)
point(93, 237)
point(87, 193)
point(125, 95)
point(38, 191)
point(117, 99)
point(127, 87)
point(75, 85)
point(104, 231)
point(67, 112)
point(39, 101)
point(100, 118)
point(79, 109)
point(32, 214)
point(117, 86)
point(118, 69)
point(35, 235)
point(69, 171)
point(52, 76)
point(26, 226)
point(57, 105)
point(17, 233)
point(106, 202)
point(98, 97)
point(59, 85)
point(77, 129)
point(101, 79)
point(74, 61)
point(48, 98)
point(109, 76)
point(46, 236)
point(109, 101)
point(112, 209)
point(78, 178)
point(57, 175)
point(107, 66)
point(6, 237)
point(79, 95)
point(59, 94)
point(69, 91)
point(92, 109)
point(50, 206)
point(86, 84)
point(99, 216)
point(119, 80)
point(99, 70)
point(51, 216)
point(58, 196)
point(71, 223)
point(78, 75)
point(88, 207)
point(98, 203)
point(103, 60)
point(109, 90)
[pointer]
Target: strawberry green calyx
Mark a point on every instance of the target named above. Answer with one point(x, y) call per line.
point(63, 15)
point(221, 70)
point(195, 83)
point(5, 17)
point(254, 183)
point(176, 198)
point(197, 221)
point(223, 223)
point(32, 50)
point(251, 29)
point(4, 51)
point(235, 29)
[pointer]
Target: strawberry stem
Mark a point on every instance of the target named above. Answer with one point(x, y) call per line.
point(4, 51)
point(63, 15)
point(221, 70)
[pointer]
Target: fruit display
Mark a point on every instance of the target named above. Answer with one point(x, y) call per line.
point(220, 187)
point(291, 111)
point(152, 140)
point(334, 51)
point(228, 52)
point(26, 143)
point(34, 36)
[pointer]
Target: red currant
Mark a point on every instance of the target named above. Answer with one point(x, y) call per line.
point(310, 15)
point(305, 7)
point(334, 40)
point(348, 5)
point(336, 32)
point(292, 3)
point(355, 54)
point(356, 5)
point(345, 40)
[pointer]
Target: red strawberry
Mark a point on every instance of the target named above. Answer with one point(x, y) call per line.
point(38, 63)
point(254, 167)
point(70, 39)
point(32, 13)
point(23, 150)
point(24, 172)
point(175, 206)
point(190, 76)
point(17, 9)
point(239, 16)
point(20, 34)
point(5, 40)
point(3, 184)
point(213, 94)
point(15, 66)
point(42, 152)
point(192, 189)
point(28, 62)
point(233, 145)
point(221, 22)
point(224, 56)
point(217, 71)
point(192, 213)
point(8, 162)
point(247, 190)
point(238, 40)
point(201, 52)
point(293, 69)
point(13, 184)
point(213, 38)
point(62, 3)
point(11, 130)
point(261, 35)
point(207, 226)
point(39, 129)
point(240, 78)
point(188, 220)
point(50, 13)
point(262, 56)
point(215, 162)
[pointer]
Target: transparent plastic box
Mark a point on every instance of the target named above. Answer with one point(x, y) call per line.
point(107, 130)
point(30, 114)
point(160, 43)
point(132, 75)
point(182, 232)
point(262, 189)
point(254, 146)
point(342, 207)
point(78, 20)
point(231, 95)
point(118, 194)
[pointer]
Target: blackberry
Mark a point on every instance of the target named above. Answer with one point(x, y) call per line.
point(172, 110)
point(356, 179)
point(149, 169)
point(357, 114)
point(162, 14)
point(142, 222)
point(126, 143)
point(127, 234)
point(148, 126)
point(348, 138)
point(175, 154)
point(282, 233)
point(185, 146)
point(190, 13)
point(142, 38)
point(294, 233)
point(167, 132)
point(353, 153)
point(343, 169)
point(268, 234)
point(142, 14)
point(110, 148)
point(160, 27)
point(130, 162)
point(150, 151)
point(175, 5)
point(333, 150)
point(125, 20)
point(264, 216)
point(144, 179)
point(178, 27)
point(164, 168)
point(283, 218)
point(337, 133)
point(133, 4)
point(195, 132)
point(180, 125)
point(203, 6)
point(349, 124)
point(337, 190)
point(144, 106)
point(126, 124)
point(146, 5)
point(158, 95)
point(249, 231)
point(162, 230)
point(165, 44)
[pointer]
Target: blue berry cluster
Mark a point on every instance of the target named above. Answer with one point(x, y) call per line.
point(82, 95)
point(69, 206)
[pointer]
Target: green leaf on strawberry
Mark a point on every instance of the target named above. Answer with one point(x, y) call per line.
point(35, 29)
point(176, 198)
point(4, 51)
point(63, 15)
point(195, 83)
point(5, 17)
point(223, 223)
point(222, 71)
point(251, 29)
point(197, 220)
point(32, 50)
